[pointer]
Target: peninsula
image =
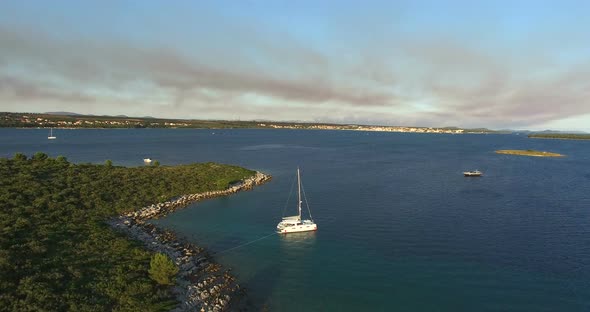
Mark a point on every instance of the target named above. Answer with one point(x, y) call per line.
point(529, 153)
point(58, 252)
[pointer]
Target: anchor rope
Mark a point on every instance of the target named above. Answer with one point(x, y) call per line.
point(273, 233)
point(245, 244)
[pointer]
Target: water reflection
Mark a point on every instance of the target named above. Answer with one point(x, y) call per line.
point(297, 240)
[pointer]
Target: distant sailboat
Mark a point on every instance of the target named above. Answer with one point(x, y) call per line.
point(293, 224)
point(51, 137)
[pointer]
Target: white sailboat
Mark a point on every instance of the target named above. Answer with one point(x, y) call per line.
point(51, 136)
point(293, 224)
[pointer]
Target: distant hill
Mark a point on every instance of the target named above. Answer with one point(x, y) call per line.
point(64, 114)
point(87, 115)
point(545, 132)
point(484, 130)
point(557, 132)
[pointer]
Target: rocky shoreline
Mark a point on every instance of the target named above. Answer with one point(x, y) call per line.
point(201, 284)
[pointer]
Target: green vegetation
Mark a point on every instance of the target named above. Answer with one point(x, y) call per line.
point(57, 253)
point(162, 269)
point(567, 136)
point(529, 153)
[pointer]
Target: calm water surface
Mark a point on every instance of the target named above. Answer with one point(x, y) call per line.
point(400, 228)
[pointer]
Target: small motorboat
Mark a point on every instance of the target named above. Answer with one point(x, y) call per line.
point(474, 173)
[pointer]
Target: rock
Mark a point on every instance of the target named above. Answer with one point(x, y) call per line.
point(197, 272)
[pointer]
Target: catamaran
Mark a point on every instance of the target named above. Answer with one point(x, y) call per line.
point(293, 224)
point(51, 137)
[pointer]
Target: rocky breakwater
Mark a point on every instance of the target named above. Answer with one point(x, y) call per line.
point(201, 284)
point(161, 209)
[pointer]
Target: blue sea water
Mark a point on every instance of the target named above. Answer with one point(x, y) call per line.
point(400, 228)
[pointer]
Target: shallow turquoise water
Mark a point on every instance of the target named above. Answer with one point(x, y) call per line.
point(400, 229)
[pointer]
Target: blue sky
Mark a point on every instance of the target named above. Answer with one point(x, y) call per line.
point(496, 64)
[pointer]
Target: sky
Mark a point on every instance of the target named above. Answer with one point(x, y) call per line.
point(515, 64)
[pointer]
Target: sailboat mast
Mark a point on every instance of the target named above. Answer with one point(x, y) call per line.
point(299, 192)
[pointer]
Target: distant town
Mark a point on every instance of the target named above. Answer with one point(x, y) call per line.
point(71, 120)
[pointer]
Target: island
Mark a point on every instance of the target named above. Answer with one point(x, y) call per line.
point(75, 236)
point(529, 153)
point(561, 136)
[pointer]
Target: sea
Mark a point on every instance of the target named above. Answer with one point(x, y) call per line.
point(399, 226)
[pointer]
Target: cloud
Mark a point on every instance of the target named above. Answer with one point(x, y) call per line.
point(255, 73)
point(472, 86)
point(113, 65)
point(14, 88)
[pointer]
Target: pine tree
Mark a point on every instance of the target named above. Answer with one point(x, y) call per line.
point(162, 269)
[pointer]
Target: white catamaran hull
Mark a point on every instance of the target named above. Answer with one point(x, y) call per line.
point(298, 228)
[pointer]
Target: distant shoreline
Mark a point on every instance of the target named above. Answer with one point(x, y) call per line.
point(76, 121)
point(559, 138)
point(531, 153)
point(361, 129)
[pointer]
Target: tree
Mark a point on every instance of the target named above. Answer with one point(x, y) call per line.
point(61, 159)
point(40, 156)
point(156, 163)
point(20, 156)
point(108, 163)
point(162, 269)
